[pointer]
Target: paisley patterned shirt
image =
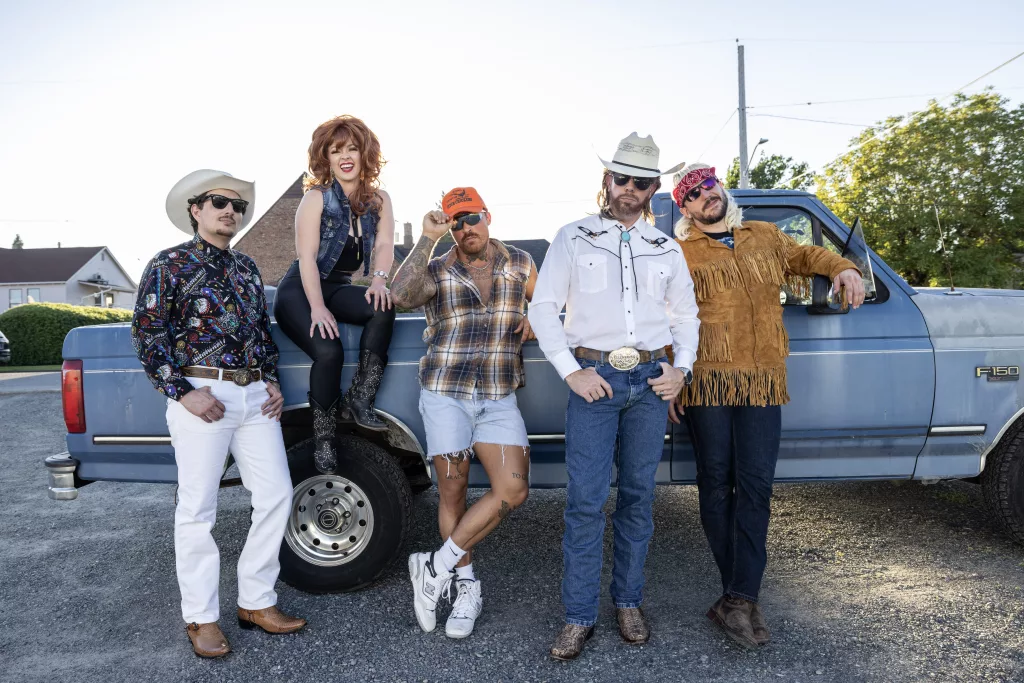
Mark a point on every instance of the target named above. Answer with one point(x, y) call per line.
point(200, 305)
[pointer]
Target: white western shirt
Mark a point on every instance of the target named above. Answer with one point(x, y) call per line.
point(617, 293)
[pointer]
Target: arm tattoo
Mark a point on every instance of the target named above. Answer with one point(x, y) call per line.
point(413, 286)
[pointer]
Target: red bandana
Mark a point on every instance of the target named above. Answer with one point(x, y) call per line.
point(690, 181)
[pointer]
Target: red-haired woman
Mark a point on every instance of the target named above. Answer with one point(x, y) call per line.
point(336, 230)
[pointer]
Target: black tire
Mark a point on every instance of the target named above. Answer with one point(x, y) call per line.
point(1003, 483)
point(335, 552)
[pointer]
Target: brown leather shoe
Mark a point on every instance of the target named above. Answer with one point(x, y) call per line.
point(569, 643)
point(633, 625)
point(732, 615)
point(759, 626)
point(207, 639)
point(271, 620)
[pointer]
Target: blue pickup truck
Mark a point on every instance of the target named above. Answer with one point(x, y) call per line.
point(916, 384)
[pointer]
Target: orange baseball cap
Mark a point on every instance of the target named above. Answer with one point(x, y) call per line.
point(462, 200)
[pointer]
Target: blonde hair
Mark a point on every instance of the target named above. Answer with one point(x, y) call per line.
point(733, 212)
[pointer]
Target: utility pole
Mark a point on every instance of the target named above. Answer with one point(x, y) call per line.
point(744, 171)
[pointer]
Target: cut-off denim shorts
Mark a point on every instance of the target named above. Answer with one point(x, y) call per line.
point(455, 424)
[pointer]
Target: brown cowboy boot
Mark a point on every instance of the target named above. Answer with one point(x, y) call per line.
point(207, 639)
point(569, 642)
point(759, 626)
point(271, 620)
point(633, 625)
point(732, 615)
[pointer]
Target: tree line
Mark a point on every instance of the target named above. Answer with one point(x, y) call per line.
point(941, 192)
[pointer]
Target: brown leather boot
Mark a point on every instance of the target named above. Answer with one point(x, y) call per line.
point(271, 620)
point(732, 615)
point(207, 639)
point(569, 642)
point(633, 625)
point(759, 626)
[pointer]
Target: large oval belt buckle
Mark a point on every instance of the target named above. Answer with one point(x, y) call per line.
point(242, 378)
point(625, 358)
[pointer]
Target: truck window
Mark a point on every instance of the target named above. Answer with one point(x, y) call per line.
point(797, 224)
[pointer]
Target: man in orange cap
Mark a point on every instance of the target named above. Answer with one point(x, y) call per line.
point(474, 298)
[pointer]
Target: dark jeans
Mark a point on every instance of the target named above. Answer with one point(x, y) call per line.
point(736, 450)
point(637, 418)
point(347, 303)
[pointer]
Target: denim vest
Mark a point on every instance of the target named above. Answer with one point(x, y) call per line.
point(334, 227)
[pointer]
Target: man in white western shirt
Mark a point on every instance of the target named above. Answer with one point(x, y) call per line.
point(629, 299)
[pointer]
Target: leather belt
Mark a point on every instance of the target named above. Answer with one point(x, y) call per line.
point(625, 358)
point(242, 376)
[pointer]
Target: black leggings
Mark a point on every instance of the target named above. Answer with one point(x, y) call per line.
point(347, 303)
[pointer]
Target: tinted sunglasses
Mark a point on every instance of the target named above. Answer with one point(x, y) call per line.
point(639, 183)
point(220, 201)
point(467, 219)
point(706, 184)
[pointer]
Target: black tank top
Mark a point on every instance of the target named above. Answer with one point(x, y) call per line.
point(351, 258)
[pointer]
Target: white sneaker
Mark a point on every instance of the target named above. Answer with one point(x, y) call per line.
point(466, 609)
point(427, 584)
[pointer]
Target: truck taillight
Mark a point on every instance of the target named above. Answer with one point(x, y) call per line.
point(72, 396)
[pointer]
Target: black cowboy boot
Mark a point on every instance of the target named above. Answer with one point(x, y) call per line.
point(325, 456)
point(345, 406)
point(358, 402)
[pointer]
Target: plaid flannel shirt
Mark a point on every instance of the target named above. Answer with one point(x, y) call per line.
point(472, 346)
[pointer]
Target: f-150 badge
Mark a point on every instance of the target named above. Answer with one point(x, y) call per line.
point(999, 373)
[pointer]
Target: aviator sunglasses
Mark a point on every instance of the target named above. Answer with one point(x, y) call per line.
point(706, 184)
point(467, 219)
point(220, 201)
point(639, 183)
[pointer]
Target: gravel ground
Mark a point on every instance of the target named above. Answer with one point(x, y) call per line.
point(866, 582)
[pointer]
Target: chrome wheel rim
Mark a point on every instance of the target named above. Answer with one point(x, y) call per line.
point(331, 521)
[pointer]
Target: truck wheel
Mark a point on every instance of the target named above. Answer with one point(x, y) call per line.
point(1003, 484)
point(345, 528)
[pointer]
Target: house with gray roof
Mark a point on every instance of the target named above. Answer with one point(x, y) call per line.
point(83, 276)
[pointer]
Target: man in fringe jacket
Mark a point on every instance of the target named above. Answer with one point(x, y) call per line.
point(733, 406)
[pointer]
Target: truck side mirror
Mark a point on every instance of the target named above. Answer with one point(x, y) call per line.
point(821, 299)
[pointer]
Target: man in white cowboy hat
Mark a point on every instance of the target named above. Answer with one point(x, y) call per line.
point(629, 301)
point(202, 332)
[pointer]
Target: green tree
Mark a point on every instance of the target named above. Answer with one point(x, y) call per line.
point(960, 167)
point(775, 171)
point(18, 244)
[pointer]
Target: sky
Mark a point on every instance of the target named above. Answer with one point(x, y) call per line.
point(105, 105)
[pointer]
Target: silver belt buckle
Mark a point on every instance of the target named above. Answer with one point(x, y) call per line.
point(242, 378)
point(625, 358)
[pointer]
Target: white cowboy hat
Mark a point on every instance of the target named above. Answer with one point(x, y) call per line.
point(637, 156)
point(198, 182)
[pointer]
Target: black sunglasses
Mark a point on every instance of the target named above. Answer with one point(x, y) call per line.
point(639, 183)
point(220, 201)
point(706, 184)
point(467, 219)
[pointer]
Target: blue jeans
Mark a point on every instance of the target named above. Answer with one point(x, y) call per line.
point(736, 450)
point(637, 417)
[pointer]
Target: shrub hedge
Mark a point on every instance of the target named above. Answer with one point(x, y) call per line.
point(37, 331)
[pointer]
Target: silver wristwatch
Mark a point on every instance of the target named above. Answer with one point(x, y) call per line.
point(381, 273)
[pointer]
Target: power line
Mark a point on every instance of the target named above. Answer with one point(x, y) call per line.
point(858, 99)
point(716, 135)
point(864, 41)
point(875, 135)
point(797, 118)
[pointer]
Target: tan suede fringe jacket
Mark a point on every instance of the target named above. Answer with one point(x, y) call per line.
point(741, 357)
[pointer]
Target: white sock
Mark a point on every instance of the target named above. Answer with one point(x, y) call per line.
point(465, 573)
point(449, 555)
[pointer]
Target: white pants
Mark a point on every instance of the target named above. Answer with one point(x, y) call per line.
point(200, 450)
